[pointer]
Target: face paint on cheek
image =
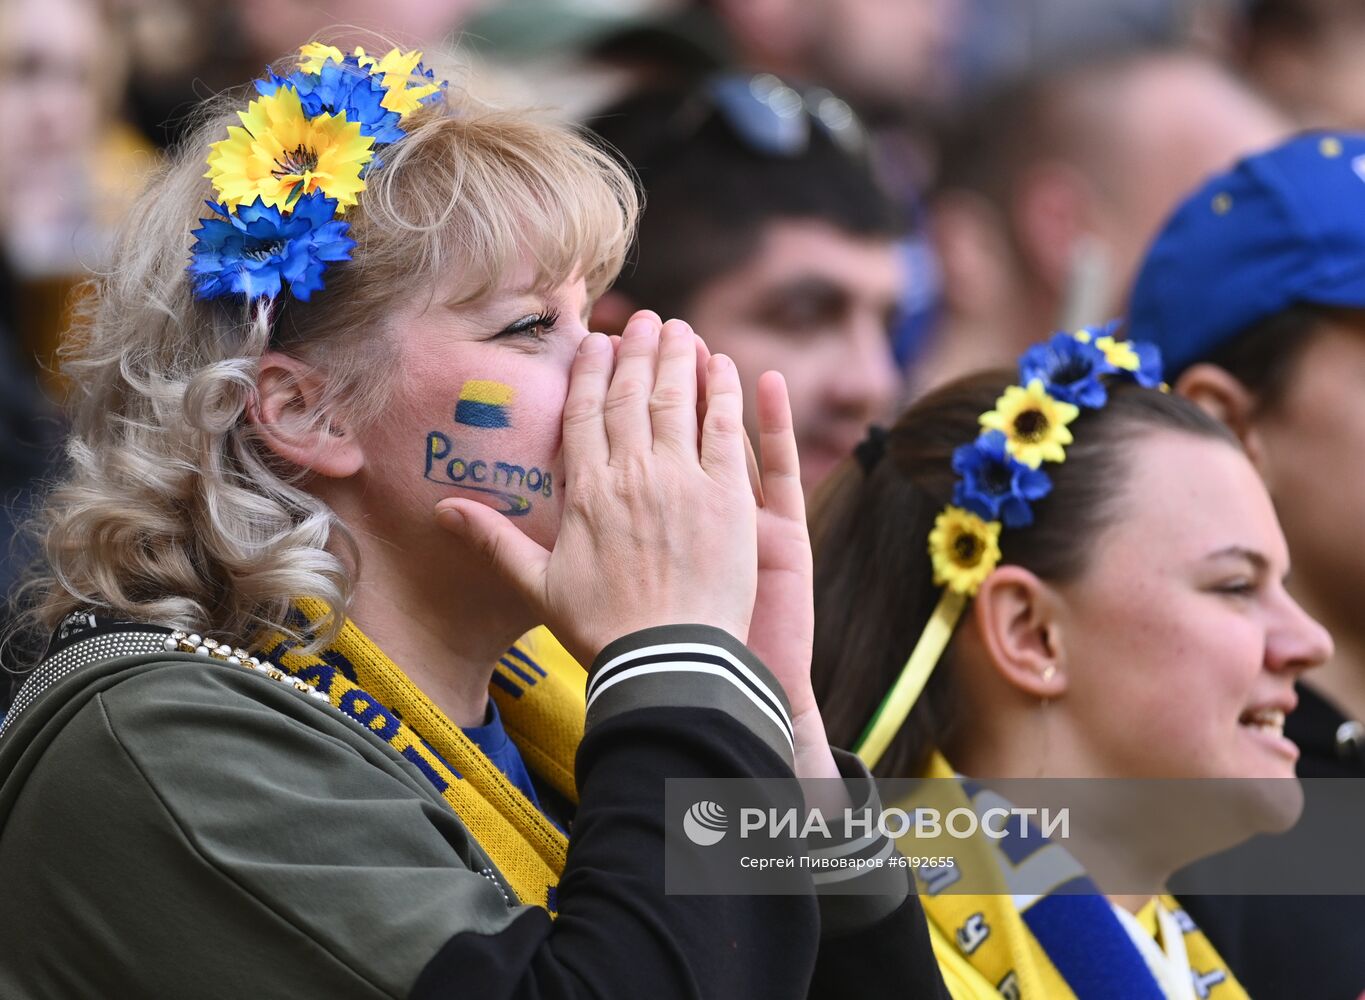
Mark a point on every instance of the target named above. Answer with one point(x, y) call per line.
point(506, 481)
point(484, 403)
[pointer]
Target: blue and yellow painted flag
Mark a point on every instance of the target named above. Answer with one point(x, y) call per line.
point(483, 403)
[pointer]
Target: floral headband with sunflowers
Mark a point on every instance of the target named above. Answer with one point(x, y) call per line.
point(1000, 477)
point(287, 174)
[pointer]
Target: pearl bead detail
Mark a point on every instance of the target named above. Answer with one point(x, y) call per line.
point(193, 642)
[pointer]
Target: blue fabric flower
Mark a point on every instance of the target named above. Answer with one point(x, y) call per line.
point(430, 74)
point(341, 88)
point(1071, 370)
point(995, 485)
point(255, 250)
point(1149, 364)
point(1146, 372)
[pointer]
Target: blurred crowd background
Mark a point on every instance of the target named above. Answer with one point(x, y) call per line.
point(1026, 152)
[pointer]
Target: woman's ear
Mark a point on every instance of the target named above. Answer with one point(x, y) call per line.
point(1016, 618)
point(289, 417)
point(1222, 395)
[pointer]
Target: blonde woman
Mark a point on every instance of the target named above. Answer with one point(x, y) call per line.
point(320, 481)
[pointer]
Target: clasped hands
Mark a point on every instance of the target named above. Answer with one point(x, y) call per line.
point(667, 517)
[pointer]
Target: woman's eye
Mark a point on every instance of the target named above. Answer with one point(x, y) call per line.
point(1237, 588)
point(535, 327)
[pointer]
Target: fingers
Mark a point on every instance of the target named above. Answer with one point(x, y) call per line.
point(781, 467)
point(751, 467)
point(673, 403)
point(627, 402)
point(703, 357)
point(507, 551)
point(585, 434)
point(750, 461)
point(722, 435)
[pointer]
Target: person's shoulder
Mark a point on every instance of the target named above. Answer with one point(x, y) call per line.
point(126, 689)
point(190, 718)
point(264, 821)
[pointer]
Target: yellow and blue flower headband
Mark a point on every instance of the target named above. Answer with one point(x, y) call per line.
point(1000, 477)
point(287, 174)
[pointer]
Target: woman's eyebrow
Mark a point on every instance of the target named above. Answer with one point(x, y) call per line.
point(496, 306)
point(1257, 559)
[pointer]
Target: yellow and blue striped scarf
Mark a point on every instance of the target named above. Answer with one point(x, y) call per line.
point(539, 691)
point(1066, 944)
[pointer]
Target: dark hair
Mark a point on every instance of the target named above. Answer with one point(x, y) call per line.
point(708, 196)
point(1264, 356)
point(1298, 21)
point(874, 589)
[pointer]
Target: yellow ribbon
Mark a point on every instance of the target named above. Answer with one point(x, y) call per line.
point(895, 707)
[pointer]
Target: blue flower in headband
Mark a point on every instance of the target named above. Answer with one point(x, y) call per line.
point(1138, 359)
point(1148, 373)
point(1070, 368)
point(995, 485)
point(256, 249)
point(341, 88)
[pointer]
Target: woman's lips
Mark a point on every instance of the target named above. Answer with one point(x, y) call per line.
point(1266, 726)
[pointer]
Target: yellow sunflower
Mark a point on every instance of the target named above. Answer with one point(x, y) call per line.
point(1119, 353)
point(314, 56)
point(1034, 424)
point(279, 154)
point(964, 549)
point(405, 86)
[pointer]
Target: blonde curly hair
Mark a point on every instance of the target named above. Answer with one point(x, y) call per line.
point(169, 509)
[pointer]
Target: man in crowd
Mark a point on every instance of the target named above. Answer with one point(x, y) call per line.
point(764, 228)
point(1048, 197)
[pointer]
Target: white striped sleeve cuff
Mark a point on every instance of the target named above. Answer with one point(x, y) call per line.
point(853, 897)
point(690, 666)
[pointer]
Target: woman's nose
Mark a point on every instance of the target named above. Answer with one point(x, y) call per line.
point(1300, 643)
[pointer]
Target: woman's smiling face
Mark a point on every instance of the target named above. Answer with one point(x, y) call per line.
point(476, 410)
point(1182, 644)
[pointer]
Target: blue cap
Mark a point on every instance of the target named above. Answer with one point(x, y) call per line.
point(1283, 227)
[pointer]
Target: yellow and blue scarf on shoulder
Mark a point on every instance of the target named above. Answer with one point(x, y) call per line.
point(539, 691)
point(1063, 944)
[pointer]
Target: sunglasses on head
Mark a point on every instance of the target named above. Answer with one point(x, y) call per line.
point(769, 116)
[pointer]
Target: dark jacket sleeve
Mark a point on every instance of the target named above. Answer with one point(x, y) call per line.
point(661, 704)
point(874, 939)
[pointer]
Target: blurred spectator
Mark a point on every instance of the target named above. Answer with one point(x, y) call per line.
point(68, 161)
point(1051, 192)
point(889, 60)
point(764, 228)
point(64, 167)
point(894, 63)
point(1309, 56)
point(69, 165)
